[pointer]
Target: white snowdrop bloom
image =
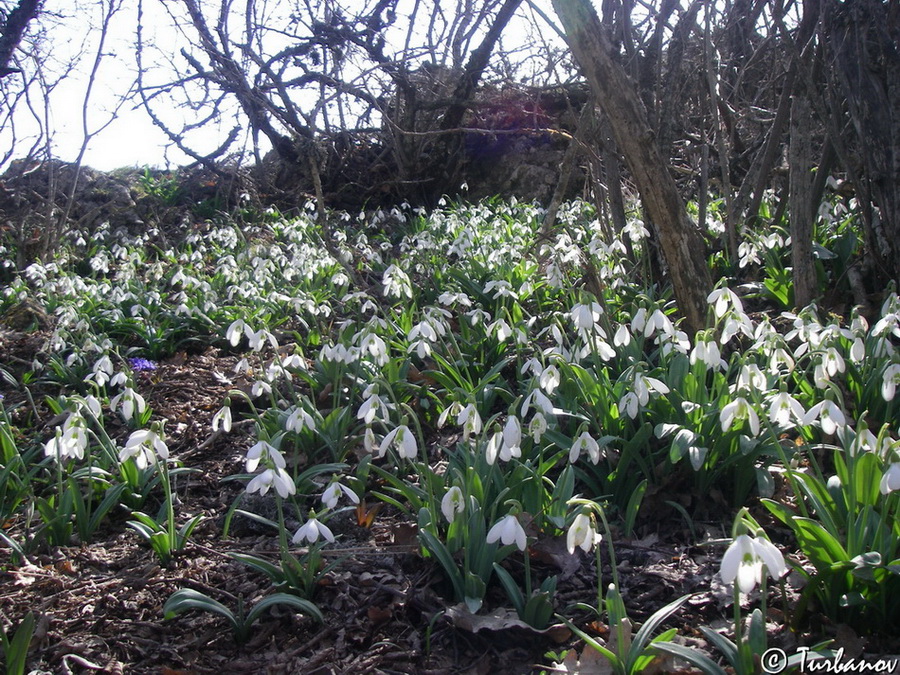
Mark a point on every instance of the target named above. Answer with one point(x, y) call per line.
point(890, 481)
point(508, 530)
point(299, 420)
point(69, 442)
point(512, 439)
point(833, 362)
point(622, 338)
point(501, 330)
point(585, 443)
point(262, 451)
point(737, 410)
point(335, 491)
point(858, 350)
point(780, 358)
point(537, 398)
point(396, 283)
point(259, 388)
point(549, 379)
point(235, 332)
point(585, 316)
point(629, 404)
point(785, 410)
point(470, 421)
point(537, 427)
point(751, 378)
point(453, 503)
point(581, 534)
point(376, 348)
point(222, 419)
point(644, 385)
point(277, 478)
point(707, 351)
point(403, 439)
point(373, 408)
point(132, 402)
point(143, 445)
point(889, 381)
point(532, 366)
point(828, 413)
point(744, 559)
point(369, 441)
point(310, 531)
point(723, 299)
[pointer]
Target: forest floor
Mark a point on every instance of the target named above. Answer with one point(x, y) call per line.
point(99, 605)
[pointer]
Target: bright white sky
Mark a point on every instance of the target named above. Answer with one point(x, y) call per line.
point(131, 139)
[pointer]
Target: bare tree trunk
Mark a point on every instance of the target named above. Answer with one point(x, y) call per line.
point(681, 243)
point(802, 209)
point(864, 35)
point(12, 30)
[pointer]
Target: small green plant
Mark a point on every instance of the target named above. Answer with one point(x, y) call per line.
point(15, 649)
point(241, 621)
point(626, 653)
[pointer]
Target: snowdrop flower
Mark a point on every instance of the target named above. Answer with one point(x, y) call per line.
point(262, 451)
point(453, 502)
point(622, 338)
point(540, 401)
point(833, 362)
point(830, 416)
point(537, 427)
point(369, 440)
point(890, 380)
point(299, 420)
point(585, 316)
point(780, 357)
point(222, 419)
point(396, 283)
point(581, 534)
point(629, 404)
point(739, 409)
point(258, 339)
point(259, 388)
point(501, 330)
point(550, 379)
point(722, 299)
point(143, 445)
point(751, 378)
point(131, 402)
point(235, 331)
point(470, 421)
point(333, 493)
point(585, 442)
point(70, 442)
point(512, 439)
point(785, 410)
point(744, 561)
point(273, 477)
point(310, 531)
point(890, 481)
point(508, 530)
point(707, 351)
point(373, 406)
point(644, 385)
point(403, 439)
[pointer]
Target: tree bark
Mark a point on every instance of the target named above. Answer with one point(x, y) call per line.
point(682, 245)
point(12, 30)
point(802, 209)
point(864, 37)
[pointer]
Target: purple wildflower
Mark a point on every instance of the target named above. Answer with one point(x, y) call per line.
point(141, 364)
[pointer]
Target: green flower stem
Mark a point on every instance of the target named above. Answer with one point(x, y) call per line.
point(170, 507)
